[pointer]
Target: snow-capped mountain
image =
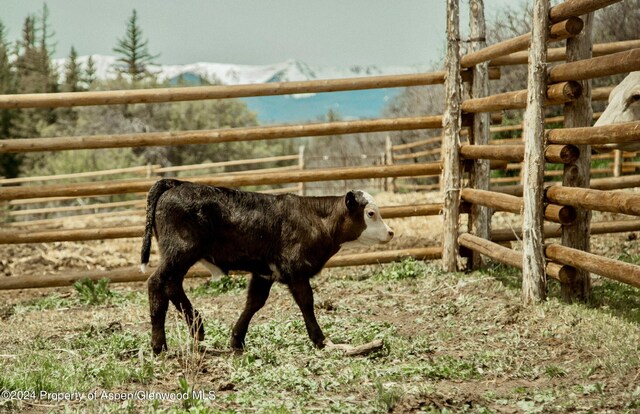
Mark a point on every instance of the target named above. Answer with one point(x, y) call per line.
point(231, 74)
point(276, 109)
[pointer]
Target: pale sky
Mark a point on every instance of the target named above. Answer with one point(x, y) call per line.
point(321, 32)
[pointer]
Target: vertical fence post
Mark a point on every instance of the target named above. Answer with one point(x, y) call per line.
point(618, 159)
point(534, 284)
point(579, 114)
point(301, 189)
point(388, 160)
point(479, 178)
point(451, 141)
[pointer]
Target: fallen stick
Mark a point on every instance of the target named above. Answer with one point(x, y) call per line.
point(350, 350)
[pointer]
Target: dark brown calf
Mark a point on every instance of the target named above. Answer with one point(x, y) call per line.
point(284, 238)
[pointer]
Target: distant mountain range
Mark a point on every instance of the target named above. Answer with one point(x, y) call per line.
point(277, 109)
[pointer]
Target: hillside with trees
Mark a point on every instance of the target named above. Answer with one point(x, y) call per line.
point(26, 67)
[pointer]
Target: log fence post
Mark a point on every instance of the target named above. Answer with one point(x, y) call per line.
point(480, 218)
point(534, 282)
point(579, 113)
point(451, 141)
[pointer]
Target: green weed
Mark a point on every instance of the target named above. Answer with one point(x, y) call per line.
point(93, 293)
point(225, 284)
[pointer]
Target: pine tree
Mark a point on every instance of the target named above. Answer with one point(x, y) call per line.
point(90, 72)
point(134, 51)
point(9, 163)
point(72, 75)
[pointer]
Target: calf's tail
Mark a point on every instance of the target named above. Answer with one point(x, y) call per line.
point(152, 200)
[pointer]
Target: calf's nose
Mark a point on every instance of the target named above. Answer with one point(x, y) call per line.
point(390, 233)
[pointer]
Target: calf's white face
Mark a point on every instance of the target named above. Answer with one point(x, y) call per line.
point(376, 230)
point(624, 106)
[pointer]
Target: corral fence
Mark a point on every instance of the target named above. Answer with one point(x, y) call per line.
point(564, 207)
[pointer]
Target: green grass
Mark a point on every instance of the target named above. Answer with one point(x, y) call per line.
point(452, 343)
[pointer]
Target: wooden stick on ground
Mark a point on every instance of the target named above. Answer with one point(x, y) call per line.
point(359, 350)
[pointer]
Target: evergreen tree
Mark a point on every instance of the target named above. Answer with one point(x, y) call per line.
point(72, 74)
point(9, 163)
point(134, 52)
point(90, 72)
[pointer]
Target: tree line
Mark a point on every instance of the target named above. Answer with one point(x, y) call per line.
point(26, 66)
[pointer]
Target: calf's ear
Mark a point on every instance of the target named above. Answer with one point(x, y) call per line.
point(351, 201)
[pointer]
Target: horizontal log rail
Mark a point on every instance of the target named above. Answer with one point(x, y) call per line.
point(613, 64)
point(570, 8)
point(557, 94)
point(610, 268)
point(503, 202)
point(417, 154)
point(597, 135)
point(86, 174)
point(62, 209)
point(228, 180)
point(133, 274)
point(559, 31)
point(191, 93)
point(217, 135)
point(608, 183)
point(58, 221)
point(57, 235)
point(558, 54)
point(555, 230)
point(511, 257)
point(609, 201)
point(231, 163)
point(564, 154)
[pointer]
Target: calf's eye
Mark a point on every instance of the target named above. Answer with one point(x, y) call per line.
point(371, 214)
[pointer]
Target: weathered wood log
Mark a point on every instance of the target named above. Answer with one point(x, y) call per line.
point(560, 53)
point(603, 266)
point(451, 175)
point(480, 216)
point(601, 94)
point(534, 282)
point(96, 206)
point(216, 135)
point(133, 274)
point(609, 183)
point(613, 202)
point(556, 94)
point(360, 350)
point(605, 134)
point(513, 204)
point(559, 31)
point(553, 153)
point(239, 180)
point(621, 62)
point(511, 257)
point(66, 99)
point(570, 8)
point(19, 180)
point(579, 113)
point(555, 230)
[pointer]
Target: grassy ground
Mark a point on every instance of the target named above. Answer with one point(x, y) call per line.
point(453, 343)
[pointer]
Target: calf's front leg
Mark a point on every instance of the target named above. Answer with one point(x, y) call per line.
point(303, 295)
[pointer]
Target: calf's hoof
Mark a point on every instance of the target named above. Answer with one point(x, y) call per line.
point(158, 348)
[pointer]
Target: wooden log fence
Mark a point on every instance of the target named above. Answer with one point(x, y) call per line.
point(504, 202)
point(47, 236)
point(550, 24)
point(511, 257)
point(234, 180)
point(555, 230)
point(559, 54)
point(133, 274)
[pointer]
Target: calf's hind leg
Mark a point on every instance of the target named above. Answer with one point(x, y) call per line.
point(161, 287)
point(257, 295)
point(192, 317)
